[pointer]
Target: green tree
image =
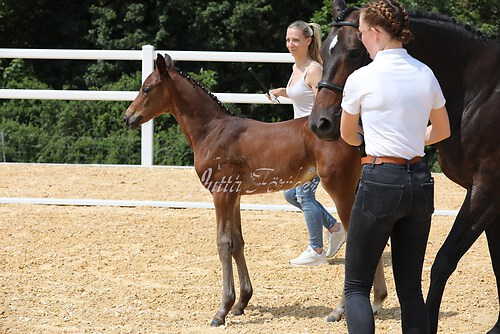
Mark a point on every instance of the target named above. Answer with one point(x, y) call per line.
point(482, 15)
point(47, 24)
point(92, 131)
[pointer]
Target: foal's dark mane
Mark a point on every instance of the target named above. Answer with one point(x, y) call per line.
point(203, 88)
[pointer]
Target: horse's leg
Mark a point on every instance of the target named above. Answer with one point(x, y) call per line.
point(379, 295)
point(342, 194)
point(341, 186)
point(225, 203)
point(379, 288)
point(239, 257)
point(493, 236)
point(473, 218)
point(339, 310)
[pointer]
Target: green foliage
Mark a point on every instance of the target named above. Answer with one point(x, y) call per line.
point(66, 131)
point(483, 15)
point(92, 131)
point(431, 155)
point(171, 148)
point(207, 78)
point(323, 17)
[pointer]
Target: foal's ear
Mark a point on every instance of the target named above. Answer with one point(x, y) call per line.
point(169, 62)
point(161, 64)
point(337, 7)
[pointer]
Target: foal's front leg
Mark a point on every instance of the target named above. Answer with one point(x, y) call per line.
point(246, 289)
point(226, 207)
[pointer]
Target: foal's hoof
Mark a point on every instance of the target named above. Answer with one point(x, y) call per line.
point(216, 323)
point(331, 319)
point(237, 312)
point(334, 317)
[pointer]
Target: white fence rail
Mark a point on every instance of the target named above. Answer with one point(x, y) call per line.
point(146, 56)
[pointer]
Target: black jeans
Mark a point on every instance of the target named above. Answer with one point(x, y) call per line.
point(395, 201)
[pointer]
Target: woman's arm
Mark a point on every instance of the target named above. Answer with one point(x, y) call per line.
point(349, 128)
point(278, 92)
point(313, 76)
point(439, 128)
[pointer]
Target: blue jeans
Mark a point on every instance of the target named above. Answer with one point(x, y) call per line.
point(304, 198)
point(392, 201)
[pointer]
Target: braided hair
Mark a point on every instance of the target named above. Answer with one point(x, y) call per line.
point(391, 16)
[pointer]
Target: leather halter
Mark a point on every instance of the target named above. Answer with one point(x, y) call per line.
point(327, 84)
point(330, 86)
point(344, 24)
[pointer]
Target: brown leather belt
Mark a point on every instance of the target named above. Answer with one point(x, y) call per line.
point(369, 159)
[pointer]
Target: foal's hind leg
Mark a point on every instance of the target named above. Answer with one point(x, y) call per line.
point(379, 288)
point(468, 226)
point(239, 257)
point(225, 206)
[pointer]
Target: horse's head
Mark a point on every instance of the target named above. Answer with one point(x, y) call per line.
point(342, 53)
point(151, 100)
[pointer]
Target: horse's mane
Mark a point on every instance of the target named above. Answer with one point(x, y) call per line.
point(345, 13)
point(443, 19)
point(428, 16)
point(205, 89)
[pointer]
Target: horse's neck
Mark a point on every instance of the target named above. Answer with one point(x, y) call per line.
point(196, 112)
point(445, 47)
point(450, 53)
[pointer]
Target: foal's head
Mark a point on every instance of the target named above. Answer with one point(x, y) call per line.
point(152, 99)
point(342, 53)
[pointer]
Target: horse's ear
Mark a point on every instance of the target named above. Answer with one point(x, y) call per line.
point(161, 65)
point(169, 61)
point(337, 7)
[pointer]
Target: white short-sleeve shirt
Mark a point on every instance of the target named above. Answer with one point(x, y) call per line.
point(395, 95)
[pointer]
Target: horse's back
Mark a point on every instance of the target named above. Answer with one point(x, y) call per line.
point(245, 135)
point(261, 157)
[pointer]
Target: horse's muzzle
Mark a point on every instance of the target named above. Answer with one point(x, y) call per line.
point(323, 128)
point(132, 122)
point(325, 122)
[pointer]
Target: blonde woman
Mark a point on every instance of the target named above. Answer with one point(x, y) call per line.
point(303, 41)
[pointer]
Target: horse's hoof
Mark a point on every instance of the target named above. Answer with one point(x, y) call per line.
point(376, 308)
point(334, 317)
point(216, 323)
point(237, 312)
point(331, 319)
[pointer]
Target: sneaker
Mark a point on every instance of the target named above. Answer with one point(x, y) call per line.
point(335, 241)
point(309, 258)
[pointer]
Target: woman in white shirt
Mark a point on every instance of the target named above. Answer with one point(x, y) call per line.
point(303, 41)
point(395, 96)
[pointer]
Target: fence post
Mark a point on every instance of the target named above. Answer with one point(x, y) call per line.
point(3, 145)
point(147, 128)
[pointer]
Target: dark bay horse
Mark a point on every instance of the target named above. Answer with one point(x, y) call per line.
point(467, 65)
point(235, 156)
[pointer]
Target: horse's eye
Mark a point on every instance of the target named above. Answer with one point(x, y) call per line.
point(354, 53)
point(146, 90)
